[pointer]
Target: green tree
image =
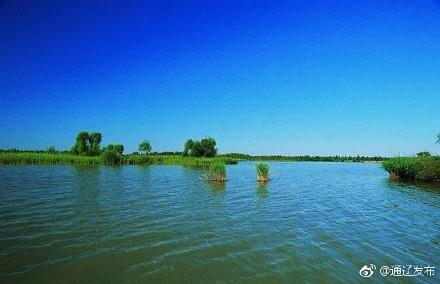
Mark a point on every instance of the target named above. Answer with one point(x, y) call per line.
point(81, 146)
point(423, 154)
point(189, 144)
point(110, 147)
point(202, 148)
point(438, 138)
point(208, 145)
point(197, 150)
point(110, 157)
point(145, 147)
point(51, 150)
point(112, 154)
point(95, 143)
point(119, 148)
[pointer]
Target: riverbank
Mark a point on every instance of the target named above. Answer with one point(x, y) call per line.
point(414, 168)
point(33, 158)
point(306, 158)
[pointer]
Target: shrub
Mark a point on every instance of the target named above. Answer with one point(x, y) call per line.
point(111, 157)
point(51, 150)
point(423, 154)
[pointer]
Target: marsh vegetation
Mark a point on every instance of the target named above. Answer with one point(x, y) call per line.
point(87, 150)
point(215, 171)
point(423, 167)
point(305, 158)
point(262, 172)
point(106, 158)
point(420, 168)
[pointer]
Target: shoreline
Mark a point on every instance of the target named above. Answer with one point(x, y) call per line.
point(63, 158)
point(31, 158)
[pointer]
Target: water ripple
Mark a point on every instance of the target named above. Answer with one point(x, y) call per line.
point(313, 222)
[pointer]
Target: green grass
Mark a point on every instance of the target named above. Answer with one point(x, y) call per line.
point(176, 160)
point(262, 172)
point(32, 158)
point(414, 168)
point(215, 171)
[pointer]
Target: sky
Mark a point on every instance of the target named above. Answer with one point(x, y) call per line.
point(261, 77)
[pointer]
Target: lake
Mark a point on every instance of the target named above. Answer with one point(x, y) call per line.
point(313, 222)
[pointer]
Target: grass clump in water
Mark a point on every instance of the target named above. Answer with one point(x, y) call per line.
point(215, 171)
point(262, 172)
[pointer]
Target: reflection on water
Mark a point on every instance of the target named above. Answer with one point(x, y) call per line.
point(217, 188)
point(86, 182)
point(315, 223)
point(428, 186)
point(262, 190)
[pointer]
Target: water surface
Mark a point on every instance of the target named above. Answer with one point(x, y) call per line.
point(313, 222)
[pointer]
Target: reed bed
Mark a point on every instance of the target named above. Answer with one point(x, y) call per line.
point(262, 172)
point(177, 160)
point(215, 171)
point(33, 158)
point(414, 168)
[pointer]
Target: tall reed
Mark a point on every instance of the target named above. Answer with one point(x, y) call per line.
point(262, 172)
point(215, 171)
point(35, 158)
point(414, 168)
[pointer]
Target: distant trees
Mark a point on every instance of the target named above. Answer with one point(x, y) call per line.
point(81, 146)
point(423, 154)
point(95, 143)
point(196, 150)
point(111, 157)
point(208, 147)
point(51, 150)
point(90, 145)
point(202, 148)
point(189, 144)
point(87, 144)
point(438, 139)
point(112, 154)
point(118, 148)
point(305, 158)
point(145, 147)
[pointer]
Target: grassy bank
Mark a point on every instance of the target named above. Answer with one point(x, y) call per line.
point(32, 158)
point(414, 168)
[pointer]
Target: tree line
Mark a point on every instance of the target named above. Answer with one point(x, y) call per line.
point(304, 158)
point(89, 144)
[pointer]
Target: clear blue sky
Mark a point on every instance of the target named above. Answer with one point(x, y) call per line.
point(261, 77)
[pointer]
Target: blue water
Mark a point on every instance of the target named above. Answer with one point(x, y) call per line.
point(312, 223)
